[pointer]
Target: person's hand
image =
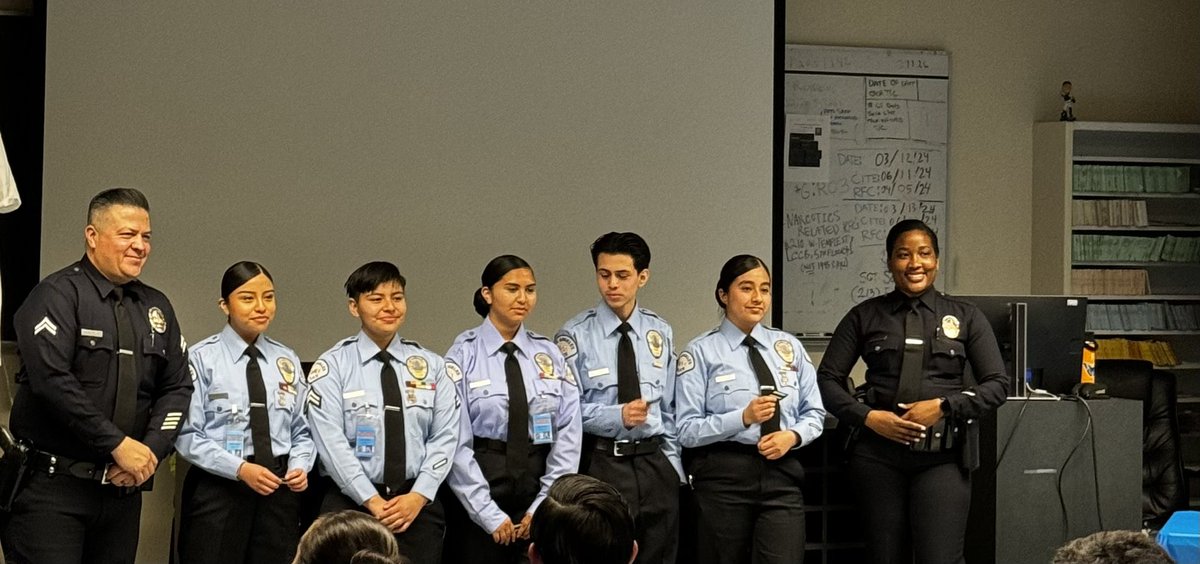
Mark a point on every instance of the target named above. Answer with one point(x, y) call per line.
point(119, 477)
point(296, 480)
point(777, 444)
point(925, 412)
point(136, 458)
point(402, 510)
point(261, 480)
point(634, 413)
point(374, 506)
point(522, 528)
point(504, 534)
point(891, 426)
point(758, 410)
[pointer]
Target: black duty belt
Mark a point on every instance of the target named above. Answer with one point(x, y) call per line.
point(502, 446)
point(737, 448)
point(624, 447)
point(56, 465)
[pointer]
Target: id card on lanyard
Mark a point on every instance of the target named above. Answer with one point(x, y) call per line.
point(235, 433)
point(543, 420)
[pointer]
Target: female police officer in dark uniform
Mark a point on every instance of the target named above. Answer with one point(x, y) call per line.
point(910, 476)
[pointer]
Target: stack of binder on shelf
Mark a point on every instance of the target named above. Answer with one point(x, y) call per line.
point(1109, 213)
point(1158, 352)
point(1131, 179)
point(1110, 282)
point(1146, 316)
point(1132, 248)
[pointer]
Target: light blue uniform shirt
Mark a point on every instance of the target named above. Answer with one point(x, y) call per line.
point(716, 382)
point(221, 402)
point(477, 367)
point(346, 393)
point(589, 343)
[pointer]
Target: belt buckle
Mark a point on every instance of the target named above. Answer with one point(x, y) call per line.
point(104, 477)
point(617, 446)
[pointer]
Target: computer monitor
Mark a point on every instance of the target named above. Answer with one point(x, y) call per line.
point(1041, 339)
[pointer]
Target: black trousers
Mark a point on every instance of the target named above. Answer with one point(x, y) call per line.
point(67, 520)
point(750, 509)
point(911, 503)
point(650, 487)
point(468, 543)
point(223, 521)
point(422, 542)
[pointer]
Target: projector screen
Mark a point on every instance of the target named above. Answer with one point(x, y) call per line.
point(314, 137)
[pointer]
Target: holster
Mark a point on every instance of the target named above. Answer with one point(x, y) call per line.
point(14, 468)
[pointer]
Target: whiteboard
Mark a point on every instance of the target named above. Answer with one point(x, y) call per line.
point(864, 146)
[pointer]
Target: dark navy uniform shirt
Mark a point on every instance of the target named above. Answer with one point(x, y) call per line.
point(67, 336)
point(956, 332)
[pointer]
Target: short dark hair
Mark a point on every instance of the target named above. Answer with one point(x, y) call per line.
point(492, 273)
point(116, 197)
point(1112, 547)
point(733, 268)
point(350, 537)
point(582, 521)
point(240, 273)
point(910, 225)
point(626, 243)
point(369, 276)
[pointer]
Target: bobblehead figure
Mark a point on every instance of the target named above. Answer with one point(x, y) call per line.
point(1068, 109)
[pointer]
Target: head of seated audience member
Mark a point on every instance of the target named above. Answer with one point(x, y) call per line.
point(1112, 547)
point(348, 537)
point(582, 521)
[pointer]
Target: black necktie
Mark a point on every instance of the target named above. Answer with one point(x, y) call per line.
point(628, 388)
point(764, 379)
point(127, 379)
point(260, 419)
point(394, 461)
point(518, 413)
point(911, 368)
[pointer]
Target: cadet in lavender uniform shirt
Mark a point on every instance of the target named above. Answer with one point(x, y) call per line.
point(499, 501)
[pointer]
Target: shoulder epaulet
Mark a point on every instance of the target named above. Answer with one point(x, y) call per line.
point(651, 314)
point(712, 331)
point(953, 299)
point(274, 342)
point(466, 336)
point(535, 336)
point(412, 343)
point(345, 342)
point(209, 340)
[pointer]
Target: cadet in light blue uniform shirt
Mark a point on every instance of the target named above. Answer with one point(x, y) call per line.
point(497, 487)
point(349, 414)
point(629, 437)
point(740, 425)
point(222, 520)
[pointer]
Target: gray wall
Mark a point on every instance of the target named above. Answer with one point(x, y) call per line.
point(314, 137)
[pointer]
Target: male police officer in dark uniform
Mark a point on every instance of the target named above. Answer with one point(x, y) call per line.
point(104, 389)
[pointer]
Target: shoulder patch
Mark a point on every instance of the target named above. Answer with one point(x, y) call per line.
point(192, 371)
point(319, 370)
point(684, 363)
point(182, 344)
point(566, 345)
point(453, 371)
